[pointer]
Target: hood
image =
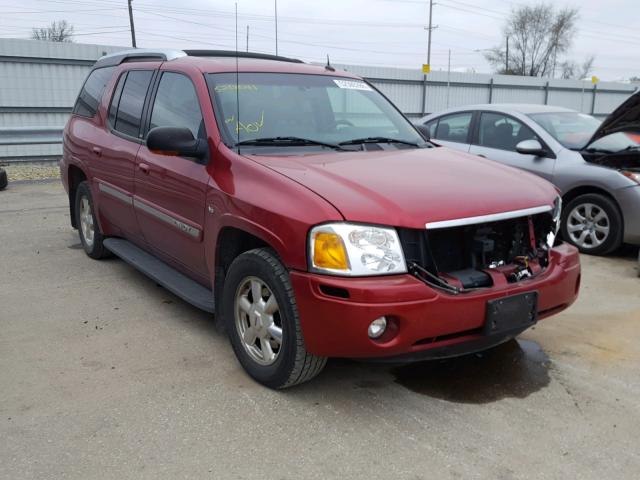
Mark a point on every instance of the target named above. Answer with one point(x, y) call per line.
point(408, 188)
point(625, 118)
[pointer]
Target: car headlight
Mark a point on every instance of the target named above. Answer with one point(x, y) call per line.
point(355, 250)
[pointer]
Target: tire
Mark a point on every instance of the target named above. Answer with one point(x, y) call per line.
point(292, 363)
point(3, 179)
point(92, 244)
point(597, 237)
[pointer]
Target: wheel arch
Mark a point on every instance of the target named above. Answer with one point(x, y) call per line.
point(231, 242)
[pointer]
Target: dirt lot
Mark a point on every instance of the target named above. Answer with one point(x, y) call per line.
point(105, 375)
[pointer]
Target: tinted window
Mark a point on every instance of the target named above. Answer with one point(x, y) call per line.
point(92, 90)
point(176, 105)
point(502, 132)
point(115, 100)
point(131, 102)
point(454, 128)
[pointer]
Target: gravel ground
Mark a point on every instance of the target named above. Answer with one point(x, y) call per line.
point(32, 171)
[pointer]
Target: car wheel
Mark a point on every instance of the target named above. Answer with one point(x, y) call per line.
point(88, 228)
point(3, 179)
point(261, 318)
point(593, 223)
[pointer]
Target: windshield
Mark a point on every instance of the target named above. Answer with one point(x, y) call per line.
point(293, 107)
point(572, 129)
point(615, 142)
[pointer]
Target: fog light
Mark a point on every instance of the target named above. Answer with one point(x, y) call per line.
point(377, 327)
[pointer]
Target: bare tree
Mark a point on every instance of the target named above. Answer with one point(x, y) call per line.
point(569, 69)
point(537, 36)
point(60, 31)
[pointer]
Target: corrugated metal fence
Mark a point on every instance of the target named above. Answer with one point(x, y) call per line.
point(417, 94)
point(39, 82)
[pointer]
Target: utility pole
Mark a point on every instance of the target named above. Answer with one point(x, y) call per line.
point(430, 29)
point(275, 5)
point(506, 58)
point(133, 30)
point(247, 38)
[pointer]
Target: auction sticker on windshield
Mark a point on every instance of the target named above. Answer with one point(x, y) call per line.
point(352, 84)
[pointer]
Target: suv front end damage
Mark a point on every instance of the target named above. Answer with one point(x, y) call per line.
point(461, 255)
point(457, 275)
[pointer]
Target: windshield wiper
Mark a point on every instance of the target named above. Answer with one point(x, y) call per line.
point(357, 141)
point(287, 142)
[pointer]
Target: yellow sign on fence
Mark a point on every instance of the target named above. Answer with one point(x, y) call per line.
point(594, 79)
point(426, 68)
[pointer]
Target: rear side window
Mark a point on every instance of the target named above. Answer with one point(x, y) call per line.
point(115, 100)
point(92, 90)
point(129, 113)
point(177, 105)
point(454, 128)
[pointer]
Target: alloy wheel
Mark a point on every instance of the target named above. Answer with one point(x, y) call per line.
point(257, 319)
point(588, 225)
point(86, 222)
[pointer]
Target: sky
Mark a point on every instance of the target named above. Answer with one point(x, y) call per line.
point(363, 32)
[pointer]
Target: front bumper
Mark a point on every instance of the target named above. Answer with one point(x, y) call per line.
point(426, 319)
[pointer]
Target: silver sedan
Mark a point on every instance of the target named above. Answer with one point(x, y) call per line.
point(595, 165)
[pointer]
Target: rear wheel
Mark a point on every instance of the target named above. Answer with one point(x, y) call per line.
point(3, 179)
point(262, 321)
point(593, 223)
point(88, 228)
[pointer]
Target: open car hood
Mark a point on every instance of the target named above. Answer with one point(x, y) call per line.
point(625, 118)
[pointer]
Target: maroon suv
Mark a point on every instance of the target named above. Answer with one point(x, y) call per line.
point(298, 204)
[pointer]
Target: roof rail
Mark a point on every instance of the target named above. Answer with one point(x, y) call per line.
point(233, 53)
point(140, 54)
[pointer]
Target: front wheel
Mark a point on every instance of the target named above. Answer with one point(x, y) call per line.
point(593, 223)
point(262, 321)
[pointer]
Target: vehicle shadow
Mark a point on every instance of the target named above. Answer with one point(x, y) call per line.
point(515, 369)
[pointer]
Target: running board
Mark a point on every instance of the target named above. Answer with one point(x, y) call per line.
point(174, 281)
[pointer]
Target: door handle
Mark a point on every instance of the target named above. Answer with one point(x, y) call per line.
point(144, 168)
point(97, 151)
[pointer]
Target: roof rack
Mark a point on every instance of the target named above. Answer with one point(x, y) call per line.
point(139, 54)
point(233, 53)
point(144, 54)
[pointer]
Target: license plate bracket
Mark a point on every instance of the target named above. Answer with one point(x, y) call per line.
point(508, 314)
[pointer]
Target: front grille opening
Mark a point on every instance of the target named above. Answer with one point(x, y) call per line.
point(480, 255)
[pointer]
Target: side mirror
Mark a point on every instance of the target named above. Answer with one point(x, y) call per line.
point(176, 141)
point(530, 147)
point(424, 131)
